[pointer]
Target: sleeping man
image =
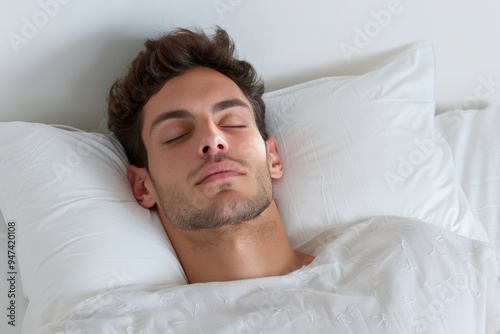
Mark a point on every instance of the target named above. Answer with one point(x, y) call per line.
point(190, 116)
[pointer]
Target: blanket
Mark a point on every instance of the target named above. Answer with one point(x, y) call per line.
point(382, 275)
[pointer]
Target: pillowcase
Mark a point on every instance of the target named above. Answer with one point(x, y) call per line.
point(475, 145)
point(79, 229)
point(361, 146)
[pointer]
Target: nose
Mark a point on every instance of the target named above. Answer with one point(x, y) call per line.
point(212, 142)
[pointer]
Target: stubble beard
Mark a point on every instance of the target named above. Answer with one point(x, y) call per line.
point(229, 208)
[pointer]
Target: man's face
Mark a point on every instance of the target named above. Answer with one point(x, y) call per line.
point(208, 164)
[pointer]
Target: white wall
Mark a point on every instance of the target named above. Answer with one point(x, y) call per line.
point(60, 56)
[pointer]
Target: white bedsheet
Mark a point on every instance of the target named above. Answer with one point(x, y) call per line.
point(384, 275)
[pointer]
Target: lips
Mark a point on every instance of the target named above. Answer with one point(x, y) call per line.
point(218, 171)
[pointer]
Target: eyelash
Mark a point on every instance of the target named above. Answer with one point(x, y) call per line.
point(234, 126)
point(173, 140)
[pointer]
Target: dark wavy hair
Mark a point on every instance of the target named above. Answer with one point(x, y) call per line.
point(167, 57)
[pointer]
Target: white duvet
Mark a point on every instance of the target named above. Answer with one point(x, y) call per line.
point(383, 275)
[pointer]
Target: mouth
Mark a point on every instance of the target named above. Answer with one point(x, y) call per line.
point(219, 171)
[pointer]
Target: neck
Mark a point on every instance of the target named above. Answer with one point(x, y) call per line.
point(251, 249)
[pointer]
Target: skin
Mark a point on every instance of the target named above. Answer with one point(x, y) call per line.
point(210, 178)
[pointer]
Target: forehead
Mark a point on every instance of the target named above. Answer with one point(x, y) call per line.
point(192, 89)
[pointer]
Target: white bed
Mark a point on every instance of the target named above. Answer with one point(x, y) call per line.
point(59, 58)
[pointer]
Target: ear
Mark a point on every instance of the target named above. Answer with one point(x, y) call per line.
point(142, 186)
point(273, 158)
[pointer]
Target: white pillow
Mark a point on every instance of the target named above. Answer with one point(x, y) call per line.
point(361, 146)
point(475, 146)
point(79, 229)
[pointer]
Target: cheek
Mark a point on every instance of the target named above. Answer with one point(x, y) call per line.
point(165, 168)
point(252, 149)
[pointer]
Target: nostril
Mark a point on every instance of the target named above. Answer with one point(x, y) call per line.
point(220, 146)
point(205, 149)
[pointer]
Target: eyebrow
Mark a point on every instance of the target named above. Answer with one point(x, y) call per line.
point(183, 113)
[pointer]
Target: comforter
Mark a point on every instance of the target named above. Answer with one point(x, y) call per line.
point(382, 275)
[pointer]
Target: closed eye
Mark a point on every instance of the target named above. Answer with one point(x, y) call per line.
point(173, 140)
point(233, 123)
point(234, 126)
point(233, 120)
